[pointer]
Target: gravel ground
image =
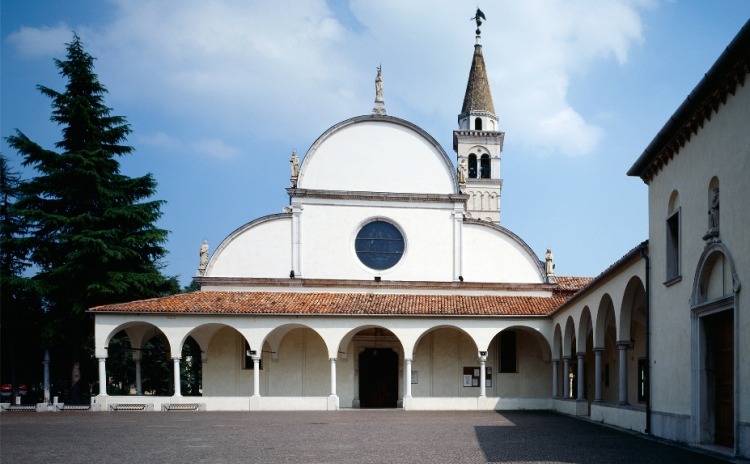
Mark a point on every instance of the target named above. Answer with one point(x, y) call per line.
point(347, 436)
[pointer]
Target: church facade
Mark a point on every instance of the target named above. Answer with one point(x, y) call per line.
point(382, 287)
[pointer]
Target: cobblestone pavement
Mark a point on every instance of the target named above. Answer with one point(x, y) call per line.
point(348, 436)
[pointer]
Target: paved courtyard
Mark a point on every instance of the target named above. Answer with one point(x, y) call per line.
point(348, 436)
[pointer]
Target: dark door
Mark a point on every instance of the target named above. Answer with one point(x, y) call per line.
point(720, 337)
point(378, 378)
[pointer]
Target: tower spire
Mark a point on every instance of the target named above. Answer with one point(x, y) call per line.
point(478, 142)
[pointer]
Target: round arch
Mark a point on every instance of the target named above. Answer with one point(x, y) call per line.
point(604, 315)
point(634, 298)
point(570, 328)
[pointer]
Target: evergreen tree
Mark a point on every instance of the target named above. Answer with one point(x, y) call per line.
point(20, 315)
point(93, 234)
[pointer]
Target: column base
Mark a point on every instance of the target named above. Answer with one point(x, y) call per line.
point(333, 403)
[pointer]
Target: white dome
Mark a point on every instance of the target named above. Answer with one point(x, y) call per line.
point(377, 154)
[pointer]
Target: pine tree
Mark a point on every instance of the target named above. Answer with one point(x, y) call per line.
point(94, 238)
point(20, 315)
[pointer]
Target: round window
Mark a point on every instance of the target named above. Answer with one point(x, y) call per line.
point(379, 245)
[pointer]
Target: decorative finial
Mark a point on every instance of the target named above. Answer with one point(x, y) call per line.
point(379, 108)
point(478, 17)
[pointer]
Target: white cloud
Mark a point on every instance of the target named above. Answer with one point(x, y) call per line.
point(216, 148)
point(291, 68)
point(43, 41)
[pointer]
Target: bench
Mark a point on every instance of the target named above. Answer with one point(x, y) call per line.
point(73, 407)
point(21, 407)
point(128, 407)
point(180, 407)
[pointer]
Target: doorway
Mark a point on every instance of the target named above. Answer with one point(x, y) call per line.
point(719, 330)
point(378, 378)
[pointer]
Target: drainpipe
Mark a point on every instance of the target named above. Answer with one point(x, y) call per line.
point(644, 255)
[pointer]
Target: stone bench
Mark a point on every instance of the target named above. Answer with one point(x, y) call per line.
point(128, 407)
point(183, 407)
point(20, 407)
point(73, 407)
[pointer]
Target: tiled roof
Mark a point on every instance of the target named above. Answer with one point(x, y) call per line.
point(478, 96)
point(273, 303)
point(573, 283)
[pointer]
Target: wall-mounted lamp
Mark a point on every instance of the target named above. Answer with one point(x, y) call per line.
point(291, 274)
point(377, 278)
point(461, 278)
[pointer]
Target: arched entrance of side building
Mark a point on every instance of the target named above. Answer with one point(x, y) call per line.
point(714, 347)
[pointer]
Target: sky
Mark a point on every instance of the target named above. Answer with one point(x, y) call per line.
point(219, 92)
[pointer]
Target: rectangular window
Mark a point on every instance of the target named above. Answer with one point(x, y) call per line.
point(248, 359)
point(642, 380)
point(673, 246)
point(508, 355)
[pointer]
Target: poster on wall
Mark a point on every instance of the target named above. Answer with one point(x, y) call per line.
point(471, 376)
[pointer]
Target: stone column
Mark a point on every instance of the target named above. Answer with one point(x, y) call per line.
point(623, 396)
point(566, 382)
point(555, 365)
point(102, 376)
point(598, 374)
point(407, 378)
point(138, 383)
point(256, 375)
point(177, 385)
point(333, 376)
point(482, 376)
point(580, 374)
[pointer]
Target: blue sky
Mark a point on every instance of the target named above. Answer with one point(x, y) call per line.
point(220, 92)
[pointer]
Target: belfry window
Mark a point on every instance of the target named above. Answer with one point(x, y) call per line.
point(478, 124)
point(472, 166)
point(484, 170)
point(379, 245)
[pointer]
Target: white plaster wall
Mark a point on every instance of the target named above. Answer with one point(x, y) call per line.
point(328, 233)
point(439, 359)
point(223, 374)
point(489, 255)
point(301, 368)
point(377, 156)
point(721, 148)
point(259, 250)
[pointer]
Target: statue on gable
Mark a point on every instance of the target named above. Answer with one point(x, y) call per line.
point(295, 164)
point(549, 264)
point(203, 258)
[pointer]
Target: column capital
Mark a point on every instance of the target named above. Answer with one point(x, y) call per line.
point(581, 354)
point(599, 350)
point(624, 344)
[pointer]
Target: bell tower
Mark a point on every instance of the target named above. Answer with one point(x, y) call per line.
point(478, 141)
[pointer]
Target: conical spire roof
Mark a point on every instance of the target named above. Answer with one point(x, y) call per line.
point(478, 96)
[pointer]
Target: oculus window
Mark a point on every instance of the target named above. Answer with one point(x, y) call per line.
point(379, 245)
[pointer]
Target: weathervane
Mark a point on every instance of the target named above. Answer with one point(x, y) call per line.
point(478, 17)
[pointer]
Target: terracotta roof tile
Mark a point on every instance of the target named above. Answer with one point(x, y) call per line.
point(273, 303)
point(573, 283)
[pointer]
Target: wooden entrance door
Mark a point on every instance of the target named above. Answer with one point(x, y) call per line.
point(720, 337)
point(378, 378)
